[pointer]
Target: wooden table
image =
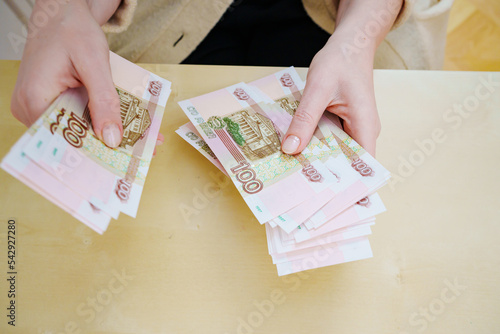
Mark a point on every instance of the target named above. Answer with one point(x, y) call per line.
point(436, 265)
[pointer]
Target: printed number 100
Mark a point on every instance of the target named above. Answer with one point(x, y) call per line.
point(247, 177)
point(76, 130)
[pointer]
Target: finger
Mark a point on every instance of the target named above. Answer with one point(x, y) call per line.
point(304, 122)
point(104, 103)
point(364, 138)
point(18, 111)
point(19, 103)
point(36, 89)
point(364, 129)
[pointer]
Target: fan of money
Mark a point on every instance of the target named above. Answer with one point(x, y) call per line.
point(318, 206)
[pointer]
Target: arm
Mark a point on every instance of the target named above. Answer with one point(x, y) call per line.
point(340, 77)
point(102, 11)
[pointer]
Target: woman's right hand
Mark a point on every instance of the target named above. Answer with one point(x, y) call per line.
point(67, 51)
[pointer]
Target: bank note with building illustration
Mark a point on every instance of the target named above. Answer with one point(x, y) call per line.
point(240, 128)
point(61, 157)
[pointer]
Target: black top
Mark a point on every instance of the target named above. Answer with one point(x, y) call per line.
point(261, 33)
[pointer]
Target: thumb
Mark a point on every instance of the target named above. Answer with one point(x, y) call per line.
point(304, 122)
point(104, 102)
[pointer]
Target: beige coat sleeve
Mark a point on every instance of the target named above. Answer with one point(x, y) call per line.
point(416, 40)
point(166, 31)
point(404, 13)
point(122, 18)
point(324, 13)
point(420, 42)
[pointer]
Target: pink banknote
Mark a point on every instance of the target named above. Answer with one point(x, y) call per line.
point(189, 133)
point(285, 89)
point(373, 174)
point(65, 145)
point(325, 255)
point(61, 157)
point(278, 243)
point(24, 169)
point(248, 145)
point(369, 206)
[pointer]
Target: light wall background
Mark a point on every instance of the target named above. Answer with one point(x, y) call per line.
point(12, 26)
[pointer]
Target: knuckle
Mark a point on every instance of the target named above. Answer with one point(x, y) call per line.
point(105, 106)
point(378, 129)
point(16, 101)
point(16, 111)
point(108, 98)
point(28, 97)
point(304, 116)
point(377, 126)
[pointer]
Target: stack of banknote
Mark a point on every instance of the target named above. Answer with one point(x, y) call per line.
point(61, 157)
point(318, 206)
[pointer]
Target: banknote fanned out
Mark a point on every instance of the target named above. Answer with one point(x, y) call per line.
point(240, 128)
point(285, 88)
point(247, 143)
point(189, 133)
point(61, 157)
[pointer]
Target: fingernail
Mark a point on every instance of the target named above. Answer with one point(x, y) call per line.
point(291, 144)
point(159, 142)
point(111, 135)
